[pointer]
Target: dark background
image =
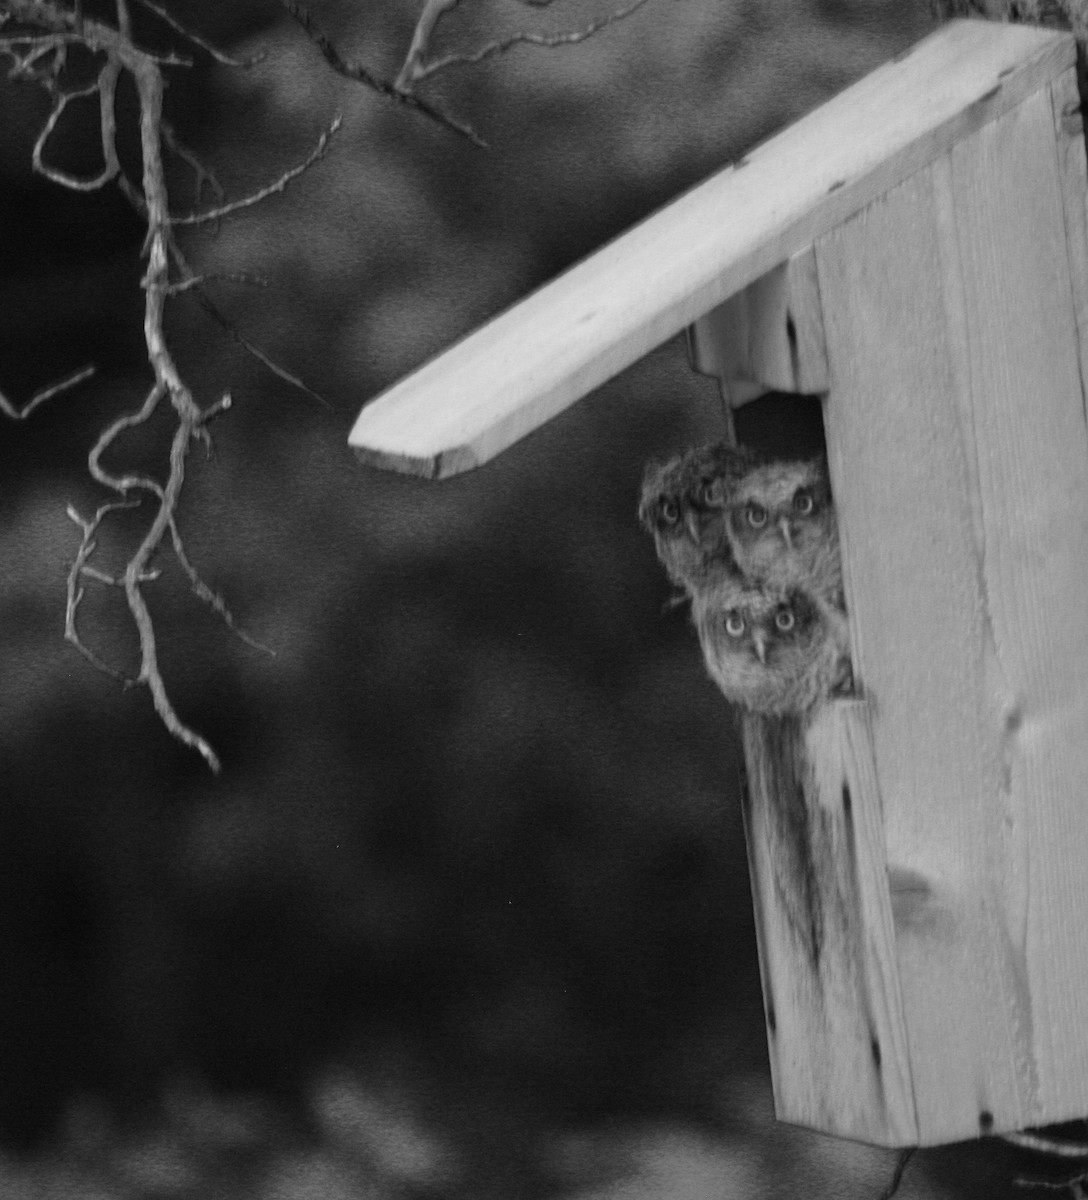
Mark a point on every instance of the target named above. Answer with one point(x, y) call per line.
point(467, 912)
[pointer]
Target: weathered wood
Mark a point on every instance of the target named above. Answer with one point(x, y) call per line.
point(1069, 132)
point(835, 1026)
point(527, 365)
point(769, 335)
point(959, 460)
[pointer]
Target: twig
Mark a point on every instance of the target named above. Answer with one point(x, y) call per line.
point(204, 174)
point(1075, 1184)
point(47, 393)
point(105, 87)
point(1047, 1145)
point(362, 74)
point(196, 281)
point(210, 597)
point(190, 282)
point(424, 70)
point(214, 214)
point(411, 69)
point(197, 40)
point(75, 593)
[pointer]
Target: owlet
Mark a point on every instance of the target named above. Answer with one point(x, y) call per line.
point(684, 505)
point(782, 529)
point(771, 650)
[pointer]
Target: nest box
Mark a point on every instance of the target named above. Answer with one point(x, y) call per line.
point(916, 252)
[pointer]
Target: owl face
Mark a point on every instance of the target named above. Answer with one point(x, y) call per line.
point(781, 523)
point(770, 650)
point(684, 506)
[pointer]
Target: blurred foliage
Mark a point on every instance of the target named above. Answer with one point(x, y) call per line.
point(467, 913)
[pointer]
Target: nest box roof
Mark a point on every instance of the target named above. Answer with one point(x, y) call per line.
point(550, 349)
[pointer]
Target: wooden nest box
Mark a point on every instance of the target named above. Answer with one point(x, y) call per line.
point(916, 251)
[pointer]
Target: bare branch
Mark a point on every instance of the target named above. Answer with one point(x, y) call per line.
point(362, 74)
point(47, 393)
point(105, 87)
point(124, 483)
point(197, 40)
point(214, 214)
point(1075, 1185)
point(1046, 1145)
point(211, 597)
point(411, 69)
point(75, 593)
point(39, 54)
point(196, 281)
point(204, 174)
point(190, 283)
point(546, 40)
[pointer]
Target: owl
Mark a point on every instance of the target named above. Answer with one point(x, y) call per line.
point(782, 530)
point(684, 505)
point(771, 650)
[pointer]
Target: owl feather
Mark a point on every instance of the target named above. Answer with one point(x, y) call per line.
point(771, 650)
point(684, 505)
point(782, 530)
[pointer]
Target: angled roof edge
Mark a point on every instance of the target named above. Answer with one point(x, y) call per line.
point(548, 350)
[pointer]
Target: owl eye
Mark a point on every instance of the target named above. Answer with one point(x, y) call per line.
point(734, 624)
point(670, 512)
point(756, 515)
point(784, 620)
point(803, 502)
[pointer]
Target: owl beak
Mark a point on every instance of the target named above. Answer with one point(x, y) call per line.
point(691, 520)
point(787, 533)
point(760, 647)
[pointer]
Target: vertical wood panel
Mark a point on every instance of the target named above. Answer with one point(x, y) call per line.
point(770, 334)
point(1033, 490)
point(835, 1029)
point(960, 466)
point(1069, 133)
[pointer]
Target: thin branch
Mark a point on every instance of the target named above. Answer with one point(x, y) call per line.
point(75, 593)
point(1075, 1184)
point(278, 185)
point(362, 74)
point(236, 336)
point(197, 40)
point(125, 483)
point(545, 40)
point(411, 69)
point(204, 174)
point(190, 283)
point(211, 597)
point(47, 393)
point(105, 87)
point(1046, 1145)
point(196, 281)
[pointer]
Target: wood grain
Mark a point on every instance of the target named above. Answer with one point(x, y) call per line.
point(835, 1028)
point(546, 352)
point(770, 334)
point(1069, 134)
point(959, 459)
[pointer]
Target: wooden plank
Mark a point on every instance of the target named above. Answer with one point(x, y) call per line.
point(1069, 130)
point(770, 334)
point(1032, 470)
point(530, 363)
point(959, 460)
point(835, 1029)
